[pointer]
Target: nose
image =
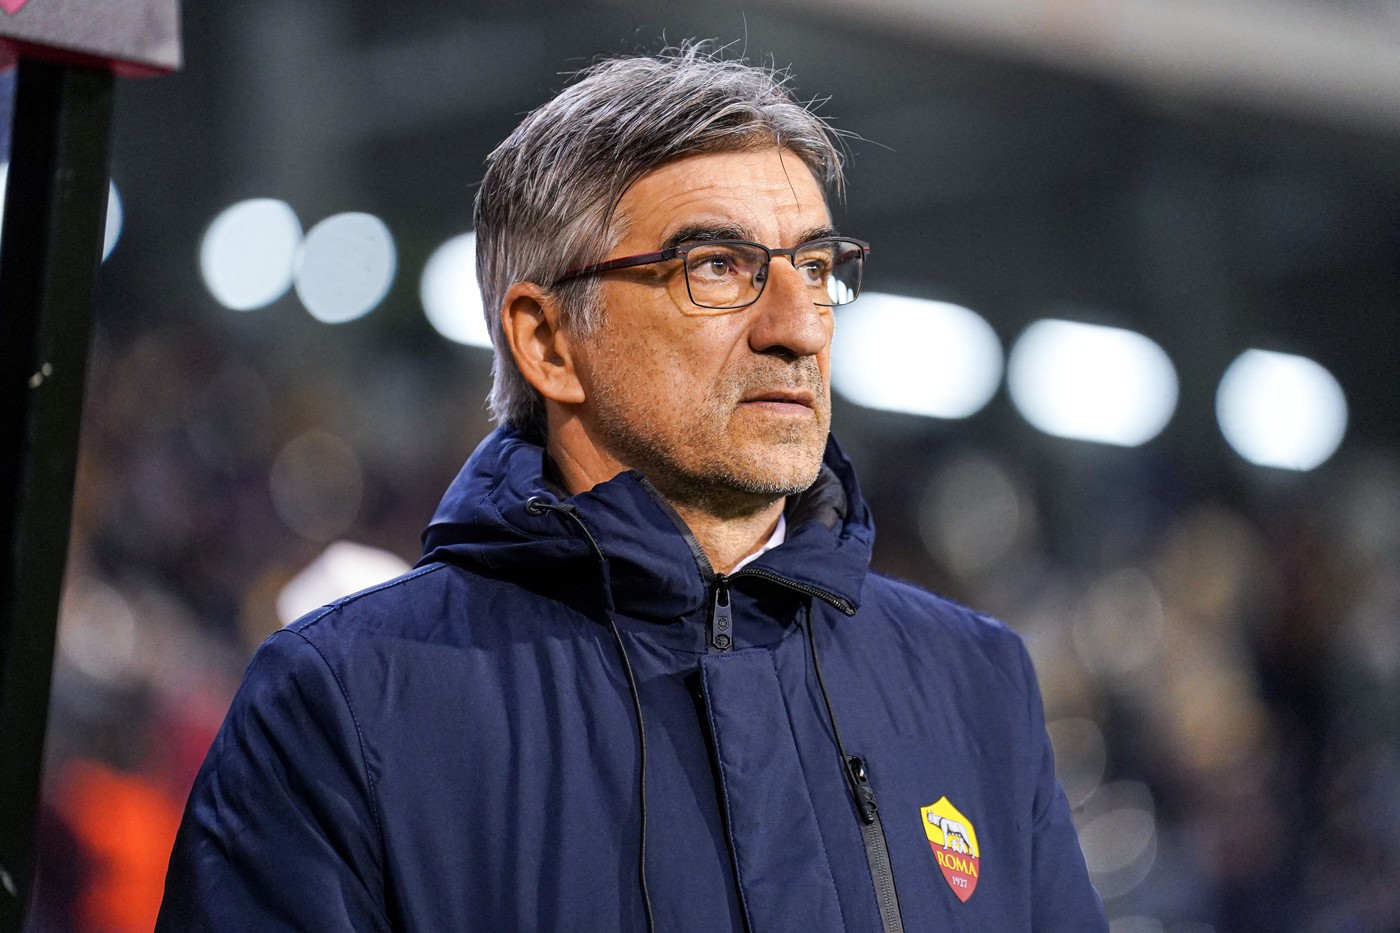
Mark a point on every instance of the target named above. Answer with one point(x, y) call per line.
point(786, 321)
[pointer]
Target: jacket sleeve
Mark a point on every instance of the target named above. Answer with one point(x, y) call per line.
point(280, 832)
point(1064, 899)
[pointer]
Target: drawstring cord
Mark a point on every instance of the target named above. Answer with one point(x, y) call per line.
point(642, 781)
point(863, 796)
point(852, 767)
point(538, 506)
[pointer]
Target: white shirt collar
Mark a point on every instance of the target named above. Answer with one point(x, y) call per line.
point(778, 537)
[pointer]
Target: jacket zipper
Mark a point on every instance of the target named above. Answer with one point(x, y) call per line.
point(721, 617)
point(721, 633)
point(872, 831)
point(840, 603)
point(877, 853)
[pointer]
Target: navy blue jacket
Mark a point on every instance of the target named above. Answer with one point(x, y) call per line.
point(459, 749)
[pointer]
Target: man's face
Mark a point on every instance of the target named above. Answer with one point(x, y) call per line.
point(729, 411)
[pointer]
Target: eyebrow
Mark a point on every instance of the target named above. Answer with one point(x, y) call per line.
point(706, 232)
point(818, 233)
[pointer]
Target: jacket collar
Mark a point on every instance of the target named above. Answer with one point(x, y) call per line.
point(653, 567)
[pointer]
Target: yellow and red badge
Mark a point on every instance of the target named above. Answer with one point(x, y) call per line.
point(954, 844)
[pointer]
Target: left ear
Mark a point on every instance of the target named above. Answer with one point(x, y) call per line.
point(542, 349)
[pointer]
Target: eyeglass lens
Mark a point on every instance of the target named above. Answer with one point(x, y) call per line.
point(727, 275)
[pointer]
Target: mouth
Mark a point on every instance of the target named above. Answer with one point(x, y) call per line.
point(780, 399)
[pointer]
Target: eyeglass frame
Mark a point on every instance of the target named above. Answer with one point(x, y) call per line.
point(674, 252)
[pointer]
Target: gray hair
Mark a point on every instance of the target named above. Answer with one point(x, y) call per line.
point(546, 203)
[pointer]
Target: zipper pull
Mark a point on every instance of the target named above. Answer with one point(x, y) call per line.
point(861, 789)
point(722, 619)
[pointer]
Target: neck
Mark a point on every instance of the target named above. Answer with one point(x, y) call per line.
point(727, 531)
point(728, 540)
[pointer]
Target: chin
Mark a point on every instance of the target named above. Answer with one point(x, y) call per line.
point(783, 474)
point(739, 486)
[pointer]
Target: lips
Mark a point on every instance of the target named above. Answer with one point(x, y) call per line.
point(780, 396)
point(790, 388)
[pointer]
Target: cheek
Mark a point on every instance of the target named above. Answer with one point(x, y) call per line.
point(653, 359)
point(642, 375)
point(690, 363)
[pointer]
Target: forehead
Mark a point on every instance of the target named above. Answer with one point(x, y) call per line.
point(768, 195)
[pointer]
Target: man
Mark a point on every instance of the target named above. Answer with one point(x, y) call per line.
point(642, 678)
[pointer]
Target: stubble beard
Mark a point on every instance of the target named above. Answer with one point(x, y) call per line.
point(764, 463)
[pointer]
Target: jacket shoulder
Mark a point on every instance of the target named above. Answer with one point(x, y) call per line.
point(915, 605)
point(436, 603)
point(942, 625)
point(377, 602)
point(434, 610)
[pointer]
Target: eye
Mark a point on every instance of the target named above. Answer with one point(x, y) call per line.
point(710, 262)
point(815, 265)
point(719, 263)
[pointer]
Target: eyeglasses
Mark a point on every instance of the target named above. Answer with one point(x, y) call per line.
point(726, 275)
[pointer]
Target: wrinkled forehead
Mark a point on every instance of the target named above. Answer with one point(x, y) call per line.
point(766, 194)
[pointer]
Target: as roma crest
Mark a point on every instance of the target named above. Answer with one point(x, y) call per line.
point(954, 844)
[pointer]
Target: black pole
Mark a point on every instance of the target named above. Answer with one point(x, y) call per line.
point(50, 248)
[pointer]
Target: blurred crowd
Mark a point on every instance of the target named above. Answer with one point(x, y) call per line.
point(1221, 674)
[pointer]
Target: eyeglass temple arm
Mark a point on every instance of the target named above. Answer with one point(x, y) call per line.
point(623, 262)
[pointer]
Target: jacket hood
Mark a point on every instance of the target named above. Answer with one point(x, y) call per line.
point(653, 568)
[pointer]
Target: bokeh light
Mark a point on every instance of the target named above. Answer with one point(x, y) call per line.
point(1081, 756)
point(112, 231)
point(344, 567)
point(247, 253)
point(1092, 383)
point(316, 484)
point(974, 515)
point(1118, 833)
point(450, 294)
point(345, 267)
point(947, 361)
point(1281, 410)
point(97, 631)
point(1118, 624)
